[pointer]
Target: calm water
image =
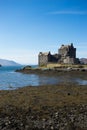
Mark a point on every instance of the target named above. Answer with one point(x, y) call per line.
point(9, 79)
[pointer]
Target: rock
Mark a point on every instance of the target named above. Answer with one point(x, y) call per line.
point(27, 67)
point(65, 118)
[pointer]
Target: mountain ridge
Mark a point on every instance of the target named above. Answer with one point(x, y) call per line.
point(83, 60)
point(5, 62)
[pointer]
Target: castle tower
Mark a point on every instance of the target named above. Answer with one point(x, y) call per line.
point(44, 58)
point(68, 53)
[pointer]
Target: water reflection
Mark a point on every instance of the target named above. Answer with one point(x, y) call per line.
point(44, 80)
point(13, 80)
point(81, 82)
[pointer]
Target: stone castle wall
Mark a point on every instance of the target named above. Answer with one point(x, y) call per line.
point(66, 55)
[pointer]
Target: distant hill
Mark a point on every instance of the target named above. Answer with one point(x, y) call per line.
point(4, 62)
point(83, 60)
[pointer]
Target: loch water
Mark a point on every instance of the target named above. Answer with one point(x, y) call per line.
point(9, 79)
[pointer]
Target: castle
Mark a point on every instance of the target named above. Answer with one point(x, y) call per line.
point(66, 55)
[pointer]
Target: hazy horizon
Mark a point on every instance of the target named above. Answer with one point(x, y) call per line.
point(28, 27)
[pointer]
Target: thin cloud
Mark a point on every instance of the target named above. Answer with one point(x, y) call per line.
point(68, 12)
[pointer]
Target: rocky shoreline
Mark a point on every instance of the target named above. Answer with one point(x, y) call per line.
point(38, 70)
point(53, 107)
point(66, 118)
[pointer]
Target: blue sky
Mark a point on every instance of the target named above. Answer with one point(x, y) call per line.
point(30, 26)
